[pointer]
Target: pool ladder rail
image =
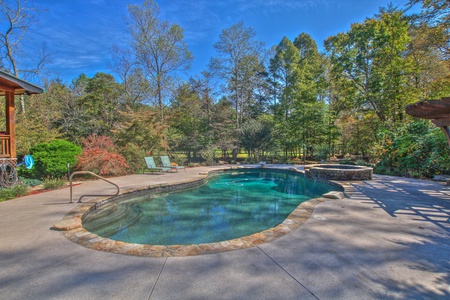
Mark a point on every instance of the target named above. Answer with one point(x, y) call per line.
point(90, 195)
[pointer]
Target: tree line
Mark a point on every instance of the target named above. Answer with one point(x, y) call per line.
point(287, 101)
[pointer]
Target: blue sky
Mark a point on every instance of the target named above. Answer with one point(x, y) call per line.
point(81, 33)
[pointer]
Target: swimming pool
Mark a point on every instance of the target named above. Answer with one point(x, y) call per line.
point(231, 205)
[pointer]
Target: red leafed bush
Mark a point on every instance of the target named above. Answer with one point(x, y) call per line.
point(99, 156)
point(94, 141)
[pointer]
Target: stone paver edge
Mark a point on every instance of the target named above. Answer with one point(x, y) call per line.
point(71, 227)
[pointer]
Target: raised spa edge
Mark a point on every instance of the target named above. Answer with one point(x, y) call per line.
point(338, 172)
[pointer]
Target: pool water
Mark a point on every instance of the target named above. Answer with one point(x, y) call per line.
point(228, 206)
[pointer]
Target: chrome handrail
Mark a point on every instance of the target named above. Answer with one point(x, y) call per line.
point(98, 176)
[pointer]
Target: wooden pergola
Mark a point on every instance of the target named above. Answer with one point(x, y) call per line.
point(11, 86)
point(438, 111)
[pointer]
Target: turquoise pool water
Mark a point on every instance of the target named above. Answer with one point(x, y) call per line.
point(228, 206)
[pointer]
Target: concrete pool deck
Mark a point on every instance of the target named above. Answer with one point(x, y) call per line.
point(389, 238)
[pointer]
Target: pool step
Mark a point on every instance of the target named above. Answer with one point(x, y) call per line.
point(105, 210)
point(111, 219)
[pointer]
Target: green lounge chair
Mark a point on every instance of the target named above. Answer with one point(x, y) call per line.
point(152, 166)
point(166, 164)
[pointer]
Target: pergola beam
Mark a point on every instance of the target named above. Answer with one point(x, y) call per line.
point(438, 111)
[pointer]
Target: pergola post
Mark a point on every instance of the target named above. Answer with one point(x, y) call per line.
point(444, 124)
point(10, 123)
point(446, 131)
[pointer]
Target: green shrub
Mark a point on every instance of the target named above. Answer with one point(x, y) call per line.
point(208, 155)
point(417, 149)
point(13, 192)
point(134, 157)
point(360, 162)
point(250, 160)
point(30, 181)
point(323, 153)
point(53, 183)
point(51, 159)
point(179, 159)
point(25, 173)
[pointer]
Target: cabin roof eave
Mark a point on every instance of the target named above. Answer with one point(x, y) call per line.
point(11, 83)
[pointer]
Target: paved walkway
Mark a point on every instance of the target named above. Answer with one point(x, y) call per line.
point(388, 239)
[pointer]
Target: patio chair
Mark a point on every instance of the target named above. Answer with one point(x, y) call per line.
point(152, 166)
point(166, 164)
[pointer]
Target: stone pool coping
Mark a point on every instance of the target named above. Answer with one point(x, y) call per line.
point(71, 226)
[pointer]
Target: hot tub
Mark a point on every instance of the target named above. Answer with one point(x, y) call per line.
point(338, 172)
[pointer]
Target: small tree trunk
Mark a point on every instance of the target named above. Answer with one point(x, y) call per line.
point(22, 104)
point(235, 153)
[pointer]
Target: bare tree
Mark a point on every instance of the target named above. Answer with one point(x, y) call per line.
point(238, 63)
point(159, 48)
point(136, 86)
point(16, 17)
point(436, 14)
